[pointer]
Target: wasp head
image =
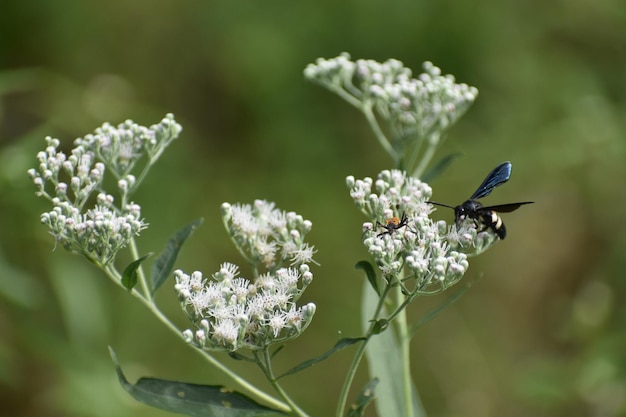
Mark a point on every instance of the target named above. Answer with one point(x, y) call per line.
point(467, 209)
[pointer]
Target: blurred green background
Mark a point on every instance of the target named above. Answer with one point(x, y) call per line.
point(542, 333)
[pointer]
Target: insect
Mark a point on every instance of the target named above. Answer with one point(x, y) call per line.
point(392, 224)
point(487, 216)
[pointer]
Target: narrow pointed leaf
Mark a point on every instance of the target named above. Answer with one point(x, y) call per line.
point(239, 357)
point(367, 267)
point(192, 399)
point(385, 361)
point(129, 277)
point(341, 344)
point(365, 397)
point(164, 264)
point(281, 347)
point(439, 309)
point(441, 166)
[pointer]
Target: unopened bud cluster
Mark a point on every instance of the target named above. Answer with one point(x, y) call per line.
point(70, 183)
point(423, 105)
point(230, 312)
point(98, 234)
point(430, 253)
point(122, 147)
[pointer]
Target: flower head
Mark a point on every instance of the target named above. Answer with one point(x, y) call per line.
point(415, 109)
point(73, 182)
point(403, 239)
point(268, 236)
point(431, 101)
point(235, 313)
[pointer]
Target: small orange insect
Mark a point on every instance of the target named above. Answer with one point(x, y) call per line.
point(392, 224)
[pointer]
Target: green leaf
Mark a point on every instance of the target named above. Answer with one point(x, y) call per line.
point(192, 399)
point(367, 267)
point(239, 357)
point(380, 326)
point(278, 349)
point(341, 344)
point(164, 264)
point(435, 312)
point(365, 397)
point(129, 277)
point(385, 360)
point(441, 166)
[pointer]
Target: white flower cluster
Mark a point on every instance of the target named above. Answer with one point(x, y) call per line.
point(395, 190)
point(432, 253)
point(268, 236)
point(98, 234)
point(84, 175)
point(425, 105)
point(121, 147)
point(70, 182)
point(230, 312)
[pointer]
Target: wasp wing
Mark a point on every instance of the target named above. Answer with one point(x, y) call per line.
point(506, 208)
point(499, 175)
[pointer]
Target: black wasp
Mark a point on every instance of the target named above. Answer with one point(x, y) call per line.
point(487, 216)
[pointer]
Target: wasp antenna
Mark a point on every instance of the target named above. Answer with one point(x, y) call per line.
point(440, 204)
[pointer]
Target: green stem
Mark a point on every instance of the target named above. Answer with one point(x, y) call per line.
point(413, 154)
point(399, 310)
point(343, 396)
point(267, 361)
point(346, 96)
point(405, 341)
point(428, 155)
point(378, 132)
point(358, 356)
point(145, 289)
point(142, 176)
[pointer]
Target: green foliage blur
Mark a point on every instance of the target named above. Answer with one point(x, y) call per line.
point(542, 331)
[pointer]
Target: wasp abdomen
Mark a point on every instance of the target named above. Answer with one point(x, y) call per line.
point(493, 220)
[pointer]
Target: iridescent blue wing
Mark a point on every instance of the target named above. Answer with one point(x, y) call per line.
point(506, 208)
point(499, 175)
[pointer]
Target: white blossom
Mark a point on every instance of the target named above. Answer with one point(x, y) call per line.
point(97, 231)
point(235, 313)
